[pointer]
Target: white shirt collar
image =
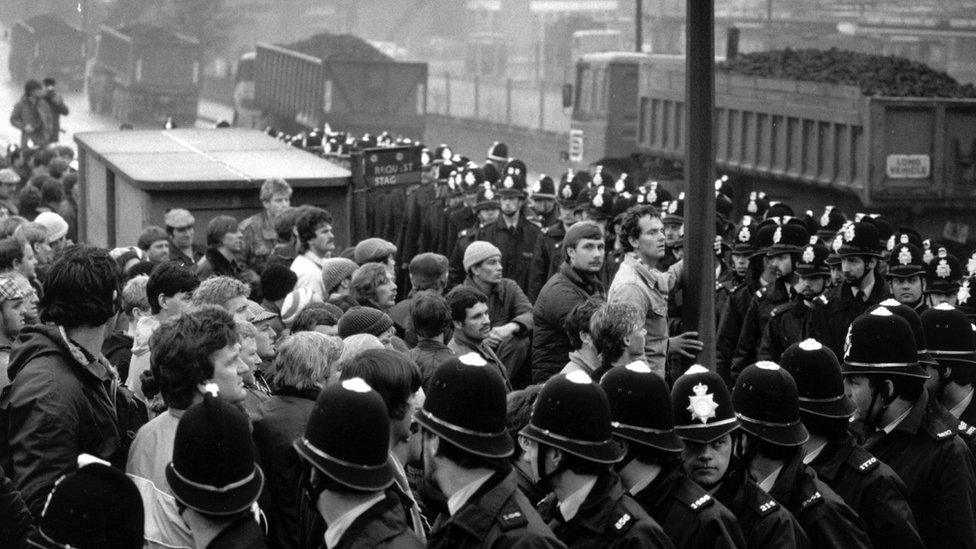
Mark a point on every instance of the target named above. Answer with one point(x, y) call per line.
point(335, 531)
point(646, 480)
point(768, 482)
point(456, 501)
point(958, 409)
point(807, 459)
point(867, 289)
point(570, 507)
point(318, 261)
point(891, 426)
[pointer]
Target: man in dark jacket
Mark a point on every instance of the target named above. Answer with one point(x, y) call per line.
point(465, 446)
point(513, 234)
point(57, 107)
point(860, 291)
point(868, 486)
point(548, 255)
point(61, 401)
point(431, 319)
point(576, 281)
point(32, 116)
point(766, 402)
point(651, 471)
point(883, 378)
point(789, 322)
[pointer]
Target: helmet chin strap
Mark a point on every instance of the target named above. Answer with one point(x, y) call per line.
point(545, 480)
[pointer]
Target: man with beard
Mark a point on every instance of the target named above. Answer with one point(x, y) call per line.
point(465, 446)
point(508, 308)
point(860, 291)
point(570, 439)
point(651, 471)
point(883, 378)
point(548, 254)
point(789, 323)
point(513, 234)
point(259, 232)
point(867, 485)
point(766, 401)
point(783, 255)
point(906, 275)
point(577, 280)
point(704, 420)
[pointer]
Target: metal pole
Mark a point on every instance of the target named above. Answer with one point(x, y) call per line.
point(698, 311)
point(639, 25)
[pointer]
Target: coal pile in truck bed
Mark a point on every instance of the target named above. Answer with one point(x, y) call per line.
point(338, 47)
point(880, 75)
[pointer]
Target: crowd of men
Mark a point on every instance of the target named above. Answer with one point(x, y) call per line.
point(503, 366)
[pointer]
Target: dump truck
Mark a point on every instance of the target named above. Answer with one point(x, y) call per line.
point(802, 141)
point(47, 46)
point(341, 81)
point(145, 75)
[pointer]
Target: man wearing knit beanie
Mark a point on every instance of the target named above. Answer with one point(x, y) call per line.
point(57, 230)
point(337, 279)
point(366, 320)
point(508, 308)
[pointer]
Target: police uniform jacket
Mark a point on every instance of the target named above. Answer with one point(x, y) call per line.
point(832, 316)
point(760, 309)
point(689, 515)
point(608, 518)
point(725, 286)
point(827, 521)
point(937, 469)
point(516, 244)
point(872, 489)
point(788, 323)
point(456, 273)
point(550, 344)
point(764, 522)
point(382, 525)
point(459, 220)
point(498, 515)
point(547, 257)
point(729, 327)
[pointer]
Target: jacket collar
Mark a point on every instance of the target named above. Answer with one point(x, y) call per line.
point(789, 475)
point(311, 393)
point(833, 457)
point(219, 262)
point(478, 515)
point(589, 282)
point(660, 488)
point(595, 512)
point(358, 535)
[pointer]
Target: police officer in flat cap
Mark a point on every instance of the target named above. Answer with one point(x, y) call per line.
point(883, 378)
point(346, 443)
point(570, 439)
point(861, 290)
point(789, 323)
point(651, 470)
point(465, 448)
point(867, 485)
point(705, 422)
point(766, 402)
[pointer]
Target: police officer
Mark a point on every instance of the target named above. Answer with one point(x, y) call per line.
point(465, 446)
point(347, 442)
point(548, 254)
point(789, 323)
point(542, 202)
point(766, 402)
point(674, 231)
point(943, 277)
point(866, 484)
point(472, 180)
point(570, 439)
point(640, 405)
point(747, 271)
point(782, 254)
point(883, 378)
point(906, 275)
point(705, 422)
point(513, 234)
point(952, 343)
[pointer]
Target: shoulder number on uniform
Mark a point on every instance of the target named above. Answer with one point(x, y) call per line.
point(623, 523)
point(767, 506)
point(867, 465)
point(700, 502)
point(812, 500)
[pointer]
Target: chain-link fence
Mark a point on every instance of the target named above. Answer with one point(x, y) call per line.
point(530, 105)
